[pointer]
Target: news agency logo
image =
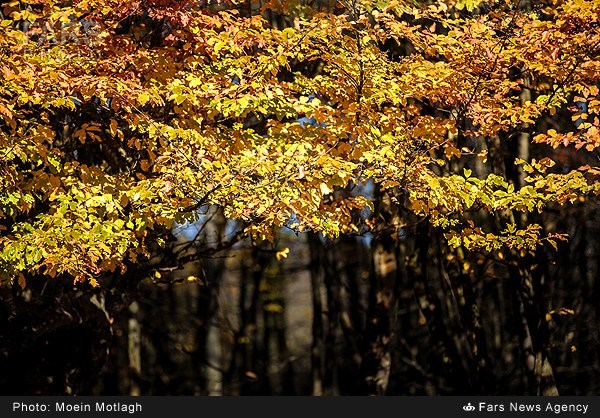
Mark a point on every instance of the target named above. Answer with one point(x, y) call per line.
point(468, 407)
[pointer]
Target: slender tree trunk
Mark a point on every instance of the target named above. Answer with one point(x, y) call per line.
point(376, 362)
point(317, 346)
point(537, 328)
point(211, 271)
point(134, 351)
point(332, 286)
point(255, 368)
point(350, 315)
point(471, 320)
point(450, 353)
point(523, 141)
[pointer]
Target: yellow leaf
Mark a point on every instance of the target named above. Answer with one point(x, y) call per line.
point(143, 98)
point(178, 98)
point(219, 46)
point(282, 254)
point(195, 82)
point(288, 33)
point(325, 189)
point(195, 279)
point(273, 307)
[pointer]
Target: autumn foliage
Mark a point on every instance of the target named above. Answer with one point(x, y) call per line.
point(121, 119)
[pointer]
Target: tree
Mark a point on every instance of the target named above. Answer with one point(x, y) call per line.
point(121, 120)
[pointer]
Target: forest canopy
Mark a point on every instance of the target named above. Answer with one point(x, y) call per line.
point(471, 121)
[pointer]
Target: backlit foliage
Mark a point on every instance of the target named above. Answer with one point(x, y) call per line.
point(120, 118)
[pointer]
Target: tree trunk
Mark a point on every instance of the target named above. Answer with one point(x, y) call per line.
point(536, 331)
point(376, 362)
point(134, 333)
point(317, 346)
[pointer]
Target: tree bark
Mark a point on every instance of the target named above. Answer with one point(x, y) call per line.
point(376, 362)
point(536, 328)
point(317, 346)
